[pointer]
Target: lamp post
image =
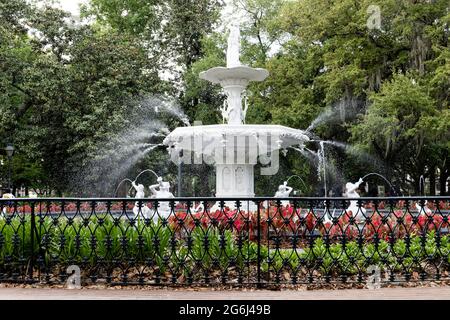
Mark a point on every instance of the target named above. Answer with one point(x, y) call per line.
point(180, 172)
point(9, 152)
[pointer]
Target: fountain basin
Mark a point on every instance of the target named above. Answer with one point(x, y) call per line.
point(254, 138)
point(234, 150)
point(223, 75)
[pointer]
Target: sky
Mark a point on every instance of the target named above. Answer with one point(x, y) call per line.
point(72, 5)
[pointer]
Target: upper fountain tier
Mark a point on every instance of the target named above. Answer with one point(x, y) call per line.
point(235, 147)
point(234, 79)
point(235, 73)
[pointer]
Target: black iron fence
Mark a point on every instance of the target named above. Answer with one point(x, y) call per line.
point(257, 241)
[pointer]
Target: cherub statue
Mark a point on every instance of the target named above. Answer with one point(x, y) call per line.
point(350, 192)
point(142, 210)
point(283, 192)
point(161, 190)
point(139, 190)
point(423, 210)
point(224, 111)
point(244, 112)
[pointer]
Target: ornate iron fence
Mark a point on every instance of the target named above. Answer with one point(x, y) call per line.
point(261, 241)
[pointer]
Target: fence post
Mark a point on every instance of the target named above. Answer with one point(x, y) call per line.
point(33, 227)
point(258, 239)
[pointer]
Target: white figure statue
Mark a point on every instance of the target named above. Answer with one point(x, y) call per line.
point(164, 208)
point(234, 47)
point(144, 211)
point(244, 112)
point(350, 192)
point(224, 111)
point(283, 192)
point(234, 109)
point(139, 190)
point(423, 210)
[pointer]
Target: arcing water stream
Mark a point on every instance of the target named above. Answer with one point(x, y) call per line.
point(112, 158)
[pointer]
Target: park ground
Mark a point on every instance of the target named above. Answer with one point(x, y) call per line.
point(137, 293)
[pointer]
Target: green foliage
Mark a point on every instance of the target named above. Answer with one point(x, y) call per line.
point(134, 17)
point(401, 124)
point(393, 118)
point(201, 99)
point(66, 88)
point(105, 240)
point(332, 59)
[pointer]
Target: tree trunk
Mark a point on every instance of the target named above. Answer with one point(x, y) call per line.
point(443, 182)
point(416, 185)
point(433, 181)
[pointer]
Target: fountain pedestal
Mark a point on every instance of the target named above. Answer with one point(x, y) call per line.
point(234, 180)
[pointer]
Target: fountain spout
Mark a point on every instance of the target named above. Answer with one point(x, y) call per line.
point(118, 186)
point(297, 176)
point(422, 185)
point(392, 189)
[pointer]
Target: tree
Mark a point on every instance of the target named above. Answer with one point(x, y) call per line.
point(68, 89)
point(332, 60)
point(172, 30)
point(400, 125)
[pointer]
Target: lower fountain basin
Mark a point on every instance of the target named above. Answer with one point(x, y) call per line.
point(243, 139)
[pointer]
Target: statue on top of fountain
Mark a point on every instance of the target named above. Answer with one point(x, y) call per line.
point(163, 192)
point(234, 46)
point(232, 111)
point(350, 192)
point(283, 192)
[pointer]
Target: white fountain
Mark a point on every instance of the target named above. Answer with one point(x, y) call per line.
point(234, 147)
